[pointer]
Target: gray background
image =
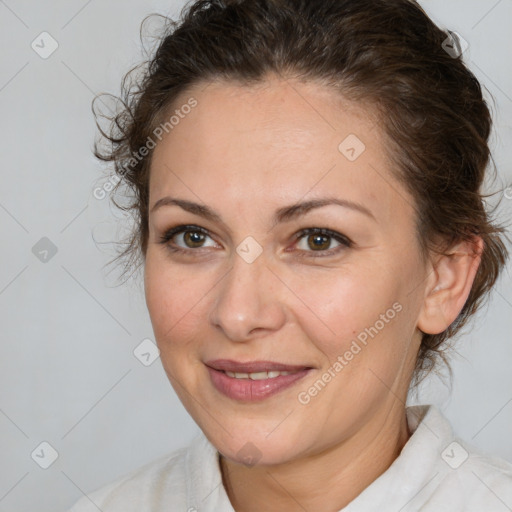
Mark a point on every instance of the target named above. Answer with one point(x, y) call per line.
point(68, 373)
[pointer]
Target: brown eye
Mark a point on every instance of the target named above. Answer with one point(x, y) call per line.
point(193, 238)
point(319, 240)
point(185, 238)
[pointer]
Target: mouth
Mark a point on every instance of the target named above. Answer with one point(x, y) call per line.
point(257, 375)
point(253, 380)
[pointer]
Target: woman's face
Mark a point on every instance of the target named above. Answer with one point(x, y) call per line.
point(250, 293)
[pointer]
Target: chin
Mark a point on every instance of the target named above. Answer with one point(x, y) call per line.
point(253, 446)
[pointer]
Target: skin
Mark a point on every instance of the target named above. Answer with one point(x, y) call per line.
point(245, 152)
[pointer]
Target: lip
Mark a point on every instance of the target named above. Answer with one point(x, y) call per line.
point(247, 390)
point(230, 365)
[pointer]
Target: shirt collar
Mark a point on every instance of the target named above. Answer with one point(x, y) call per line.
point(416, 468)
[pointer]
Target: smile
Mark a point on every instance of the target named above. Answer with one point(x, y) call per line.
point(255, 380)
point(257, 375)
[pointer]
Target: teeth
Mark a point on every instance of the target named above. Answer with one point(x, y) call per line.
point(257, 375)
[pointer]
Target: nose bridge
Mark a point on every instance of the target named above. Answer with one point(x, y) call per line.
point(245, 301)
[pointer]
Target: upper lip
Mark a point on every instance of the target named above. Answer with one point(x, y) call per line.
point(253, 366)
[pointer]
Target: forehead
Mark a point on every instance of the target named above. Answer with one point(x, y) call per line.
point(282, 114)
point(274, 143)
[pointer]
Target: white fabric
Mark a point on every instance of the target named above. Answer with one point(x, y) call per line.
point(420, 479)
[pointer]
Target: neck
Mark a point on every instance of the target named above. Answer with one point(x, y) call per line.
point(327, 481)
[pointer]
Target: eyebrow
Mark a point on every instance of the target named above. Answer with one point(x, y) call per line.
point(284, 214)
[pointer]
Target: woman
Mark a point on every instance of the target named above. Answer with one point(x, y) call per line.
point(306, 179)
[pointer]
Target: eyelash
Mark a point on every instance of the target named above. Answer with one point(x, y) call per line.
point(343, 240)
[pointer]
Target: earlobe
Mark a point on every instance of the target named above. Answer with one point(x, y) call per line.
point(450, 283)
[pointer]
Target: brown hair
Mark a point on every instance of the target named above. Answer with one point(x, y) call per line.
point(384, 53)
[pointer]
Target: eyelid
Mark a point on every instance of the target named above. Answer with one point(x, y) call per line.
point(342, 239)
point(183, 228)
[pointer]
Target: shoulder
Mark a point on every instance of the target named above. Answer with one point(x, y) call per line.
point(146, 488)
point(465, 478)
point(449, 473)
point(483, 482)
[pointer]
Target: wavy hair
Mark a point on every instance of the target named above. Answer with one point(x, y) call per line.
point(387, 54)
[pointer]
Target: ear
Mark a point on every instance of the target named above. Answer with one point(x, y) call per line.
point(448, 286)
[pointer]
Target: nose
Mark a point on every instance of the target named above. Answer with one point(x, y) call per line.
point(249, 301)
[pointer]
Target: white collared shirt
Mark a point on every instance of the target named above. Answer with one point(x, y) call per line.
point(435, 472)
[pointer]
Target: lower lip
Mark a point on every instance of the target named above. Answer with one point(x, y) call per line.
point(247, 390)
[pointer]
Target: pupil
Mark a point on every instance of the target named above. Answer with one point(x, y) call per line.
point(196, 237)
point(318, 239)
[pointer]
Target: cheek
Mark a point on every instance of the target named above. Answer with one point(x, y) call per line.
point(343, 304)
point(173, 299)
